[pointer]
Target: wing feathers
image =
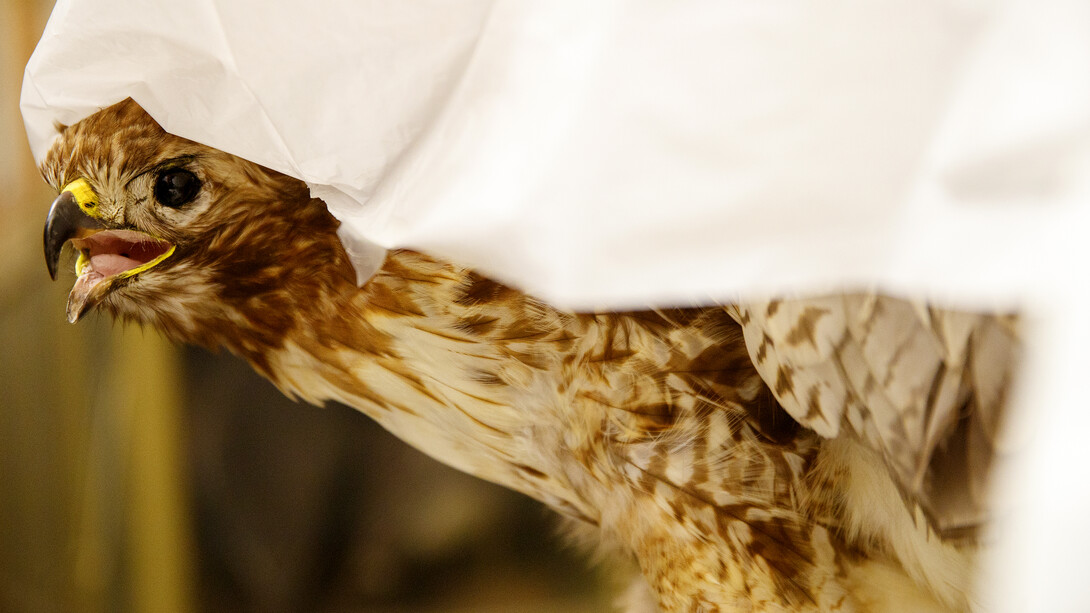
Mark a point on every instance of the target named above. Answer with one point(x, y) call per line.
point(925, 387)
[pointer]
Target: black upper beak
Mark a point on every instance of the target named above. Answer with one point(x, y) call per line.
point(65, 221)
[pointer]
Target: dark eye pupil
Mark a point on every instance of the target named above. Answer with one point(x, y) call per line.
point(176, 187)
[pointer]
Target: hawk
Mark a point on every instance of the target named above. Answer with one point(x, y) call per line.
point(822, 454)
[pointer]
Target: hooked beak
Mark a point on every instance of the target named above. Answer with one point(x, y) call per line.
point(66, 220)
point(107, 258)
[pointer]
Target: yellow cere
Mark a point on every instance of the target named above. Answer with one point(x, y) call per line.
point(84, 195)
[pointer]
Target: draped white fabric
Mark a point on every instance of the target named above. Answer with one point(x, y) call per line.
point(613, 154)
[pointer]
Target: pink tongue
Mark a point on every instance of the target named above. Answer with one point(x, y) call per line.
point(108, 264)
point(114, 251)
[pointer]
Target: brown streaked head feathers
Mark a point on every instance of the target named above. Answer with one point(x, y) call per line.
point(251, 247)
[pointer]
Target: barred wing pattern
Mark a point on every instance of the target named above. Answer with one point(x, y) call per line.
point(924, 387)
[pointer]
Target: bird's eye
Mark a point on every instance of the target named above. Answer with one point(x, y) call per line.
point(176, 187)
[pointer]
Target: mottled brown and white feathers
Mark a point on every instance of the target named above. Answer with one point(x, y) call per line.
point(923, 387)
point(784, 456)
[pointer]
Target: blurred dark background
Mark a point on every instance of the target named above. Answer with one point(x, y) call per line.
point(140, 476)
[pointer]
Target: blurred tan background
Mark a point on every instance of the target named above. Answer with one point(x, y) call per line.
point(139, 476)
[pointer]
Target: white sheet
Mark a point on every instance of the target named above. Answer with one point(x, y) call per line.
point(620, 153)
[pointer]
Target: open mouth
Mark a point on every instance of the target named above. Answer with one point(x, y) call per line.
point(106, 257)
point(122, 253)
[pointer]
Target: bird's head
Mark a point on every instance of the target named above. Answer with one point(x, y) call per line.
point(182, 236)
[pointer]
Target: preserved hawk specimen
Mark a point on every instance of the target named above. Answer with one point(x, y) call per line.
point(799, 455)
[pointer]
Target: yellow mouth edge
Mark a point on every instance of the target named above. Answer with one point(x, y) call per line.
point(82, 262)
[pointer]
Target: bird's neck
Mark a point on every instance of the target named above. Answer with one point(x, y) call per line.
point(439, 356)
